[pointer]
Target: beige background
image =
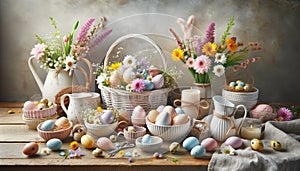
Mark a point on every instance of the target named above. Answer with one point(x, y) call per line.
point(274, 23)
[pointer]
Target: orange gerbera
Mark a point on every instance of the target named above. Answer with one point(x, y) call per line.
point(177, 54)
point(210, 49)
point(231, 44)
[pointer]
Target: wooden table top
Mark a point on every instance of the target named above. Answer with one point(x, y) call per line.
point(14, 134)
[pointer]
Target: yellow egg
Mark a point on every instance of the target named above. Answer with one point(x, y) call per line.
point(152, 115)
point(87, 141)
point(239, 88)
point(275, 145)
point(257, 145)
point(238, 81)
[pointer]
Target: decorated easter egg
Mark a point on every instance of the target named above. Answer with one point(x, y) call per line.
point(129, 75)
point(190, 143)
point(180, 119)
point(131, 129)
point(260, 109)
point(107, 117)
point(54, 144)
point(210, 144)
point(158, 81)
point(114, 80)
point(152, 115)
point(179, 110)
point(105, 144)
point(146, 139)
point(198, 151)
point(153, 71)
point(29, 105)
point(256, 144)
point(170, 110)
point(163, 118)
point(47, 125)
point(238, 81)
point(174, 147)
point(87, 141)
point(239, 88)
point(275, 145)
point(234, 142)
point(160, 108)
point(62, 122)
point(138, 112)
point(242, 84)
point(30, 148)
point(247, 87)
point(149, 85)
point(41, 106)
point(97, 152)
point(233, 84)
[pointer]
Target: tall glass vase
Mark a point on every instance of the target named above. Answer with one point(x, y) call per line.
point(205, 94)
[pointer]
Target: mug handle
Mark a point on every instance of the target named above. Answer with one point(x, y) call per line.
point(62, 103)
point(245, 114)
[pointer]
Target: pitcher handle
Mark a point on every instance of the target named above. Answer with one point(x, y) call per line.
point(34, 73)
point(62, 103)
point(245, 114)
point(89, 78)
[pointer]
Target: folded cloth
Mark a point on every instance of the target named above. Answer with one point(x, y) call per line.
point(286, 132)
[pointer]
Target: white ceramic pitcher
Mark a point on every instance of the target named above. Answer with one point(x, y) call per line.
point(223, 123)
point(58, 80)
point(78, 103)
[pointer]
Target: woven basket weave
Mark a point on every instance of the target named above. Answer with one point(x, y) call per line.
point(125, 100)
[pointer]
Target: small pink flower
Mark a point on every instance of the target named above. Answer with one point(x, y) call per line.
point(65, 39)
point(285, 113)
point(202, 64)
point(138, 85)
point(190, 62)
point(38, 51)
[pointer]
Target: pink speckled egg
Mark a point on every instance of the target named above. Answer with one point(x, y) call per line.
point(234, 142)
point(138, 112)
point(259, 109)
point(105, 144)
point(29, 105)
point(210, 144)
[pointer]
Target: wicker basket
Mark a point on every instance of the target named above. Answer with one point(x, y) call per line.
point(125, 100)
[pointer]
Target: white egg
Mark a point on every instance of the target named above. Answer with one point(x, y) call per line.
point(129, 75)
point(158, 81)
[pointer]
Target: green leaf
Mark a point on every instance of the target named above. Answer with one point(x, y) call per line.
point(227, 31)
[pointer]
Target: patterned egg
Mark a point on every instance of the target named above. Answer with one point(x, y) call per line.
point(62, 122)
point(152, 115)
point(47, 125)
point(170, 110)
point(105, 144)
point(234, 142)
point(163, 118)
point(190, 143)
point(160, 108)
point(153, 71)
point(256, 144)
point(138, 112)
point(198, 151)
point(231, 87)
point(129, 75)
point(242, 84)
point(259, 109)
point(54, 144)
point(146, 139)
point(30, 148)
point(149, 85)
point(29, 105)
point(87, 141)
point(114, 80)
point(174, 147)
point(247, 87)
point(131, 129)
point(179, 110)
point(275, 145)
point(180, 119)
point(232, 84)
point(158, 81)
point(107, 117)
point(210, 144)
point(238, 81)
point(239, 88)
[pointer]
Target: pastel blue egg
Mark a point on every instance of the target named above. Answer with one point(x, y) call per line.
point(242, 84)
point(179, 110)
point(149, 85)
point(47, 125)
point(198, 151)
point(54, 144)
point(190, 142)
point(146, 139)
point(232, 84)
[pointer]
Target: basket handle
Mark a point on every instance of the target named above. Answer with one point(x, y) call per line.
point(139, 36)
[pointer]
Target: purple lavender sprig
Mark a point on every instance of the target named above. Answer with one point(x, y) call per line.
point(99, 38)
point(210, 33)
point(198, 46)
point(81, 38)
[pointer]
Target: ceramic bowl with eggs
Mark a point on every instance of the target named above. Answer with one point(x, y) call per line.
point(59, 128)
point(39, 110)
point(32, 123)
point(149, 143)
point(131, 133)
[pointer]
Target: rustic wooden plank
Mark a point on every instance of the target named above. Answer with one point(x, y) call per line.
point(11, 119)
point(18, 133)
point(11, 104)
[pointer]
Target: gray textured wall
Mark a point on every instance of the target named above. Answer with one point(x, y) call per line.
point(274, 23)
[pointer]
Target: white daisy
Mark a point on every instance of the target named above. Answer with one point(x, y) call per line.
point(101, 78)
point(228, 150)
point(129, 61)
point(129, 87)
point(70, 64)
point(220, 58)
point(149, 78)
point(219, 70)
point(45, 151)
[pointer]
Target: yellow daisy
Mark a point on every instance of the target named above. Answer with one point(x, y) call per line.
point(114, 66)
point(231, 44)
point(177, 54)
point(210, 49)
point(74, 145)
